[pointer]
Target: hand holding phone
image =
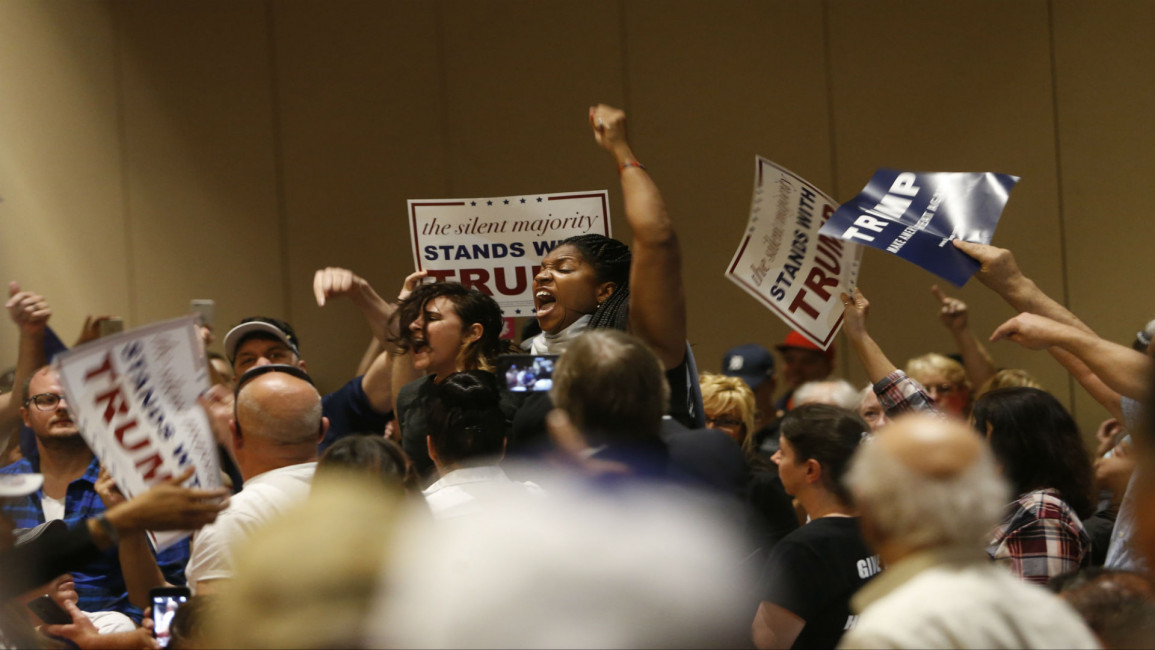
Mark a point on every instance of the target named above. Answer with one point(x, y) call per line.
point(165, 602)
point(48, 611)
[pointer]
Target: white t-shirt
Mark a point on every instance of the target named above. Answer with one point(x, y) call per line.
point(467, 491)
point(53, 508)
point(263, 498)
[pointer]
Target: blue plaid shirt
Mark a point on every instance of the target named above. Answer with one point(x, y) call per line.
point(99, 583)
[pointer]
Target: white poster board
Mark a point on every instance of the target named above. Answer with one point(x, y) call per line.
point(785, 264)
point(496, 244)
point(133, 397)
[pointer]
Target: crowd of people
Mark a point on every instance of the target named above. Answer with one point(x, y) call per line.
point(601, 492)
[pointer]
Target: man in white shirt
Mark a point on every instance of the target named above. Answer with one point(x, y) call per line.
point(467, 435)
point(928, 493)
point(276, 428)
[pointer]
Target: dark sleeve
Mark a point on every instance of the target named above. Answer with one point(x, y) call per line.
point(771, 510)
point(44, 558)
point(792, 578)
point(349, 411)
point(1099, 527)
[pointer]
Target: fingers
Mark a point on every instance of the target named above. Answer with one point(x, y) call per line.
point(318, 287)
point(938, 294)
point(970, 248)
point(182, 477)
point(14, 286)
point(1005, 331)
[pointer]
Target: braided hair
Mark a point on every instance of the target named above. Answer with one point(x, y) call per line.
point(611, 261)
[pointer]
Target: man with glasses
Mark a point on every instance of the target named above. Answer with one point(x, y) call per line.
point(69, 494)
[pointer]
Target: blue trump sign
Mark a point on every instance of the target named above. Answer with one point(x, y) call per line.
point(915, 215)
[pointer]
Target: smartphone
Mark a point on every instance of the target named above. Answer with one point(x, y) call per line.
point(165, 602)
point(206, 308)
point(524, 373)
point(48, 611)
point(111, 326)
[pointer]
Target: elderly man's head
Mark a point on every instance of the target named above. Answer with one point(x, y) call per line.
point(612, 386)
point(926, 482)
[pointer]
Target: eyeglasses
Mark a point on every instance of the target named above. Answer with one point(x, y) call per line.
point(722, 422)
point(941, 389)
point(45, 401)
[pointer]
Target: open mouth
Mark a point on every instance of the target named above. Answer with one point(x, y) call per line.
point(543, 302)
point(419, 345)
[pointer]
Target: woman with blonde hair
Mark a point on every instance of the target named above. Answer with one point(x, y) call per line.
point(945, 380)
point(729, 406)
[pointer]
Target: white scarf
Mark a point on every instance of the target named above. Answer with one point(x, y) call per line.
point(546, 343)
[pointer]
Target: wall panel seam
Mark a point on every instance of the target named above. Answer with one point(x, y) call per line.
point(118, 40)
point(278, 162)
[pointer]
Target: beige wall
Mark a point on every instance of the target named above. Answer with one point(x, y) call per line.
point(155, 152)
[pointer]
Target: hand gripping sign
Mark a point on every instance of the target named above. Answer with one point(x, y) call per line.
point(785, 263)
point(133, 397)
point(915, 215)
point(495, 245)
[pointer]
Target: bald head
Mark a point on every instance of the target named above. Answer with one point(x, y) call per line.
point(931, 447)
point(280, 408)
point(926, 481)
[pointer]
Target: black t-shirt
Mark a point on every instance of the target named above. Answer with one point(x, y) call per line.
point(814, 571)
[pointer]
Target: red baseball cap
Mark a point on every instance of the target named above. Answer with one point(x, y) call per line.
point(798, 341)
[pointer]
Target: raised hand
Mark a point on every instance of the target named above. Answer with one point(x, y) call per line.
point(952, 312)
point(30, 311)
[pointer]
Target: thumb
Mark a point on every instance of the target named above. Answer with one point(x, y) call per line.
point(938, 294)
point(318, 290)
point(182, 477)
point(13, 288)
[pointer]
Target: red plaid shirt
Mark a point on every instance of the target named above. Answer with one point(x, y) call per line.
point(1041, 537)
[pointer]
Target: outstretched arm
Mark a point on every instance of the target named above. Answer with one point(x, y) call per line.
point(953, 314)
point(896, 392)
point(1122, 369)
point(657, 296)
point(1001, 274)
point(335, 282)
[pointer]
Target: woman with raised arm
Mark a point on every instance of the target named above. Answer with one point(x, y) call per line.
point(592, 281)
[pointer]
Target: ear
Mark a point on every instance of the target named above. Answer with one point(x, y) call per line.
point(813, 471)
point(324, 429)
point(474, 332)
point(24, 416)
point(432, 451)
point(605, 290)
point(301, 365)
point(238, 440)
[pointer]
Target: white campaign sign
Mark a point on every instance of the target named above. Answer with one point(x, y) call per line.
point(133, 396)
point(496, 244)
point(783, 261)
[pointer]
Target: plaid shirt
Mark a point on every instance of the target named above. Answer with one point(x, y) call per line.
point(1041, 537)
point(900, 394)
point(99, 583)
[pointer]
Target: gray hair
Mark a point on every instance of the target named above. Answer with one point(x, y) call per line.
point(928, 511)
point(835, 392)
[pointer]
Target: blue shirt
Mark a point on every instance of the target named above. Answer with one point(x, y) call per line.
point(349, 412)
point(99, 583)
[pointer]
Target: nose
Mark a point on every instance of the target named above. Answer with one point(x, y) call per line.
point(262, 361)
point(417, 325)
point(542, 275)
point(777, 457)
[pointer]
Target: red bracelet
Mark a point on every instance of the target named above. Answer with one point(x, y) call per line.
point(631, 163)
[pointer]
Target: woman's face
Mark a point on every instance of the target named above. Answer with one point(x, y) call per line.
point(949, 397)
point(727, 421)
point(566, 288)
point(438, 337)
point(789, 471)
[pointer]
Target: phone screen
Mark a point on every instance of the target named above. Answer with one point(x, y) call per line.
point(164, 605)
point(522, 373)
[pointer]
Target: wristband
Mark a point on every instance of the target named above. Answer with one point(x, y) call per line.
point(108, 528)
point(631, 163)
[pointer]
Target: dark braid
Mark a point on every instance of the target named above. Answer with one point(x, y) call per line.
point(611, 261)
